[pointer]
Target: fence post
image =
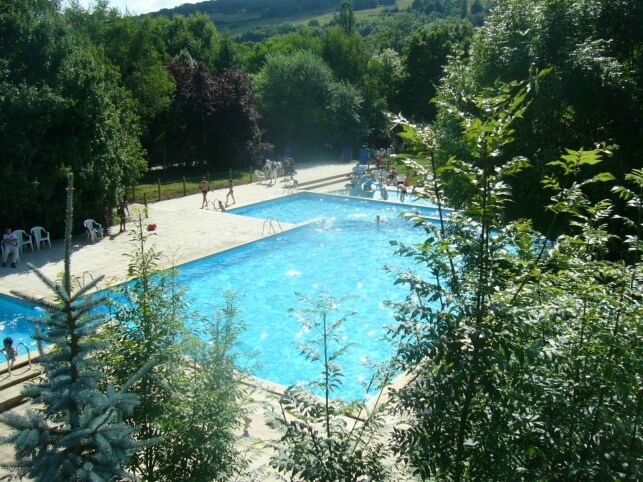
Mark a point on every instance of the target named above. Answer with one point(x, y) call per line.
point(207, 176)
point(158, 187)
point(184, 191)
point(133, 193)
point(230, 174)
point(145, 203)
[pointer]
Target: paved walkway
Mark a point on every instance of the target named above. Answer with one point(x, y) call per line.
point(185, 232)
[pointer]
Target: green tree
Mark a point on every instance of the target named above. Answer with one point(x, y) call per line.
point(346, 54)
point(593, 92)
point(255, 57)
point(425, 57)
point(208, 405)
point(322, 440)
point(346, 17)
point(304, 106)
point(149, 323)
point(79, 433)
point(192, 398)
point(226, 57)
point(61, 109)
point(523, 351)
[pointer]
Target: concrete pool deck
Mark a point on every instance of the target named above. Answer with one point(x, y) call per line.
point(184, 233)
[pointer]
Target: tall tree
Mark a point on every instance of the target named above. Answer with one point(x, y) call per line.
point(321, 437)
point(61, 109)
point(213, 118)
point(425, 57)
point(524, 352)
point(346, 17)
point(148, 324)
point(79, 432)
point(305, 106)
point(593, 92)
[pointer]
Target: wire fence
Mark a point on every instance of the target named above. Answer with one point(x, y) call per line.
point(163, 189)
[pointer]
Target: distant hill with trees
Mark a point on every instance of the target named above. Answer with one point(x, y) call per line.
point(241, 15)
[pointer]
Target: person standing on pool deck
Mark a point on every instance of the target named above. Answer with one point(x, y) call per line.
point(230, 193)
point(273, 172)
point(204, 185)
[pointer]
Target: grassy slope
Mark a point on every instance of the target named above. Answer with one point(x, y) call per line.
point(239, 23)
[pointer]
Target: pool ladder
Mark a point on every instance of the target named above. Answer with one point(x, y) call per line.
point(82, 281)
point(270, 224)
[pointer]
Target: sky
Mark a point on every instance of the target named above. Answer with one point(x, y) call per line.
point(140, 6)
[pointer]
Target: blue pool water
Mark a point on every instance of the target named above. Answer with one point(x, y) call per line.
point(394, 195)
point(306, 206)
point(344, 253)
point(14, 322)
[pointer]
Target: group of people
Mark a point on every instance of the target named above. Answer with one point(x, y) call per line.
point(272, 167)
point(10, 248)
point(204, 186)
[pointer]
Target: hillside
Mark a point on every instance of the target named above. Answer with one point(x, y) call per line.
point(241, 15)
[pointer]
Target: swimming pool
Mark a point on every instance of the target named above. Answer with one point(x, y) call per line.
point(394, 195)
point(344, 253)
point(305, 206)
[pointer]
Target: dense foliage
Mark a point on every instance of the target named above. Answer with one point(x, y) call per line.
point(305, 105)
point(62, 109)
point(524, 353)
point(593, 92)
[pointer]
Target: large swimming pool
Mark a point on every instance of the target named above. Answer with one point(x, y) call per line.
point(344, 253)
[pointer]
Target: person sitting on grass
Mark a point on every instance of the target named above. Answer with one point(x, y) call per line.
point(10, 247)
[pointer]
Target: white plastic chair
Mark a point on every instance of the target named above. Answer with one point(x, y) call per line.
point(40, 236)
point(261, 177)
point(93, 229)
point(23, 239)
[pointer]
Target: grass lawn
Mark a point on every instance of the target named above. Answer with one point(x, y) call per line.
point(171, 189)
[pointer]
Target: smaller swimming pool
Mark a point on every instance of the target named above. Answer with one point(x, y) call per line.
point(306, 206)
point(394, 195)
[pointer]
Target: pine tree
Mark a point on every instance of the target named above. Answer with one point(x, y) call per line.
point(78, 434)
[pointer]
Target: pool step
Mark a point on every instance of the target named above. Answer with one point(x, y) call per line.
point(328, 183)
point(326, 180)
point(11, 386)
